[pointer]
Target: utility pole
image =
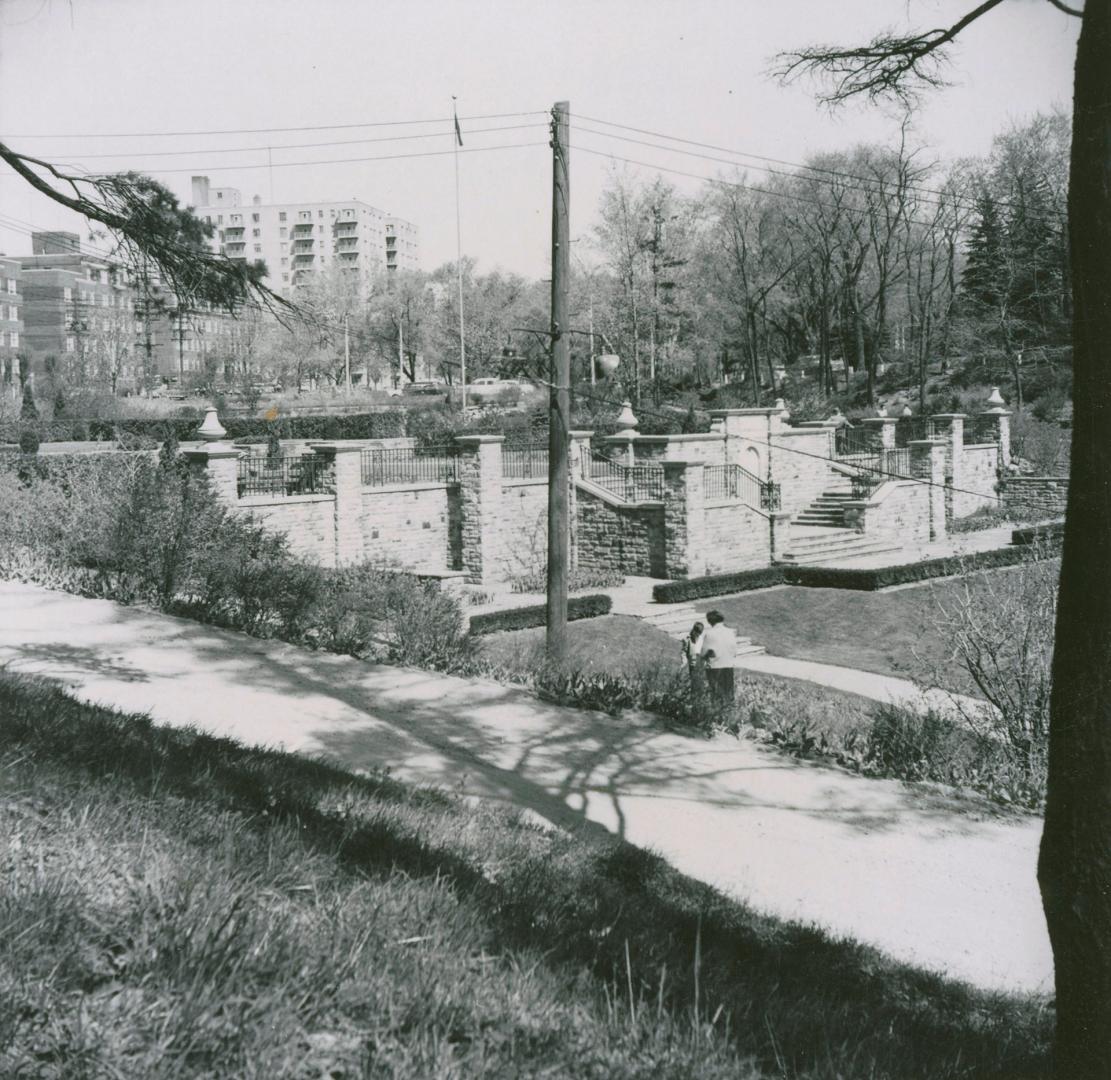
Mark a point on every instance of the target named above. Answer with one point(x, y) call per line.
point(346, 357)
point(559, 418)
point(400, 350)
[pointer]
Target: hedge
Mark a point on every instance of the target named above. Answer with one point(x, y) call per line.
point(883, 577)
point(578, 607)
point(717, 584)
point(1052, 530)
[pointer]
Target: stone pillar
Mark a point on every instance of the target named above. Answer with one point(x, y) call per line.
point(884, 427)
point(684, 519)
point(344, 468)
point(749, 427)
point(220, 463)
point(779, 522)
point(1002, 419)
point(927, 466)
point(619, 448)
point(950, 428)
point(480, 495)
point(577, 467)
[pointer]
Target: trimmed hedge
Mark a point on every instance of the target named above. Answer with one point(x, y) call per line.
point(883, 577)
point(578, 607)
point(717, 584)
point(1053, 530)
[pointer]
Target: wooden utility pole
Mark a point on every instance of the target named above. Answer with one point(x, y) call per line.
point(559, 415)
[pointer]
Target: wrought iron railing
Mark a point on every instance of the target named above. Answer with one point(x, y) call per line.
point(864, 450)
point(736, 482)
point(908, 429)
point(526, 463)
point(979, 430)
point(290, 474)
point(633, 483)
point(410, 465)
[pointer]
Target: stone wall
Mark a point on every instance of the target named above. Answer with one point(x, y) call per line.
point(615, 537)
point(523, 524)
point(1035, 497)
point(737, 537)
point(898, 510)
point(408, 525)
point(307, 521)
point(801, 465)
point(977, 479)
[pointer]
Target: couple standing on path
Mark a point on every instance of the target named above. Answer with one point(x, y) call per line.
point(710, 656)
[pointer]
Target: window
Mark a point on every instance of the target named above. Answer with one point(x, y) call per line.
point(14, 335)
point(258, 248)
point(11, 285)
point(256, 233)
point(103, 299)
point(320, 213)
point(237, 219)
point(69, 344)
point(285, 262)
point(285, 247)
point(283, 233)
point(220, 219)
point(285, 277)
point(281, 215)
point(255, 218)
point(219, 194)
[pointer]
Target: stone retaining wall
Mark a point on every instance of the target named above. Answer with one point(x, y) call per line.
point(1036, 496)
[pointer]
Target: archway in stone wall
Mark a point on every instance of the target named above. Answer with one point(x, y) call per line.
point(751, 461)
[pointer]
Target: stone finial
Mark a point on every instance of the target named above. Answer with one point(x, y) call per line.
point(881, 411)
point(907, 411)
point(781, 407)
point(627, 421)
point(995, 399)
point(211, 431)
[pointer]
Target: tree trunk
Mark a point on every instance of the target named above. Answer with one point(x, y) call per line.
point(1074, 869)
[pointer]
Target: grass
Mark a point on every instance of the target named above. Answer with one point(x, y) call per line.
point(892, 633)
point(174, 905)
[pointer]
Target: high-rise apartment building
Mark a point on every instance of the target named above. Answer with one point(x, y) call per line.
point(12, 336)
point(101, 324)
point(302, 238)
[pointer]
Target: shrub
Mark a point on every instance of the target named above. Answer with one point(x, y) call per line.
point(579, 607)
point(28, 409)
point(28, 442)
point(535, 581)
point(1050, 531)
point(831, 577)
point(717, 585)
point(987, 517)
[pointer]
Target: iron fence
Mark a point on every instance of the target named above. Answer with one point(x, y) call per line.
point(525, 463)
point(409, 465)
point(633, 483)
point(909, 429)
point(979, 430)
point(290, 474)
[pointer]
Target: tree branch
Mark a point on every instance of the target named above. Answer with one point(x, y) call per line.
point(887, 66)
point(1066, 9)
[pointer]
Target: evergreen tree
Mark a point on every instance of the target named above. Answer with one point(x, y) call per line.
point(29, 410)
point(983, 283)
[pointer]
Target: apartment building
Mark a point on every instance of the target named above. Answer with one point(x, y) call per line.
point(12, 337)
point(101, 324)
point(302, 238)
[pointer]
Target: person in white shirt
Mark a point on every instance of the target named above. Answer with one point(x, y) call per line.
point(719, 654)
point(692, 657)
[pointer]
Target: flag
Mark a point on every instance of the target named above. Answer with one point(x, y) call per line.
point(458, 133)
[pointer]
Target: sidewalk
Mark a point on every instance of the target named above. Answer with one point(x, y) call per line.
point(908, 872)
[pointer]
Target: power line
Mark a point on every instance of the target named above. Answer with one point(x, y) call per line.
point(298, 146)
point(780, 161)
point(273, 130)
point(332, 161)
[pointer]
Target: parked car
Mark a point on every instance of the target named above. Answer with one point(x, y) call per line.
point(424, 388)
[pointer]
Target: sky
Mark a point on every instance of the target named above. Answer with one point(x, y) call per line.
point(136, 78)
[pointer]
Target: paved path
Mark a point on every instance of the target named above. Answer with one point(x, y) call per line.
point(864, 858)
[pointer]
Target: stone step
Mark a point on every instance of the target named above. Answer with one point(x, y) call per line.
point(801, 541)
point(838, 552)
point(811, 520)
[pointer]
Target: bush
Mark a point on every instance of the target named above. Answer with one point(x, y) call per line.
point(579, 607)
point(717, 585)
point(830, 577)
point(28, 442)
point(1030, 534)
point(28, 410)
point(536, 581)
point(987, 517)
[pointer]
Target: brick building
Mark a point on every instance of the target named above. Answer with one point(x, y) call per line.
point(12, 334)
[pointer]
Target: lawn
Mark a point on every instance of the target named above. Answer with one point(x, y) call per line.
point(178, 906)
point(898, 632)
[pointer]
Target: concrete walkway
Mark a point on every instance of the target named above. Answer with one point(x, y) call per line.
point(905, 871)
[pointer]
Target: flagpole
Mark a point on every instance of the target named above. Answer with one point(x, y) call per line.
point(457, 140)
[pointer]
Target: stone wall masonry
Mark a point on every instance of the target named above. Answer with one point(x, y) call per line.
point(684, 519)
point(1036, 497)
point(307, 521)
point(801, 465)
point(978, 474)
point(709, 448)
point(898, 510)
point(625, 538)
point(408, 525)
point(737, 537)
point(523, 524)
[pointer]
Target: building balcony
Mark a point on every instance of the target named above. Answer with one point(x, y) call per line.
point(303, 257)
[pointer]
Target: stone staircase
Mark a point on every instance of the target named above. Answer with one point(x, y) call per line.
point(822, 544)
point(676, 620)
point(828, 510)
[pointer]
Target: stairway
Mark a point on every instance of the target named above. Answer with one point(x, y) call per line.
point(676, 621)
point(828, 510)
point(822, 544)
